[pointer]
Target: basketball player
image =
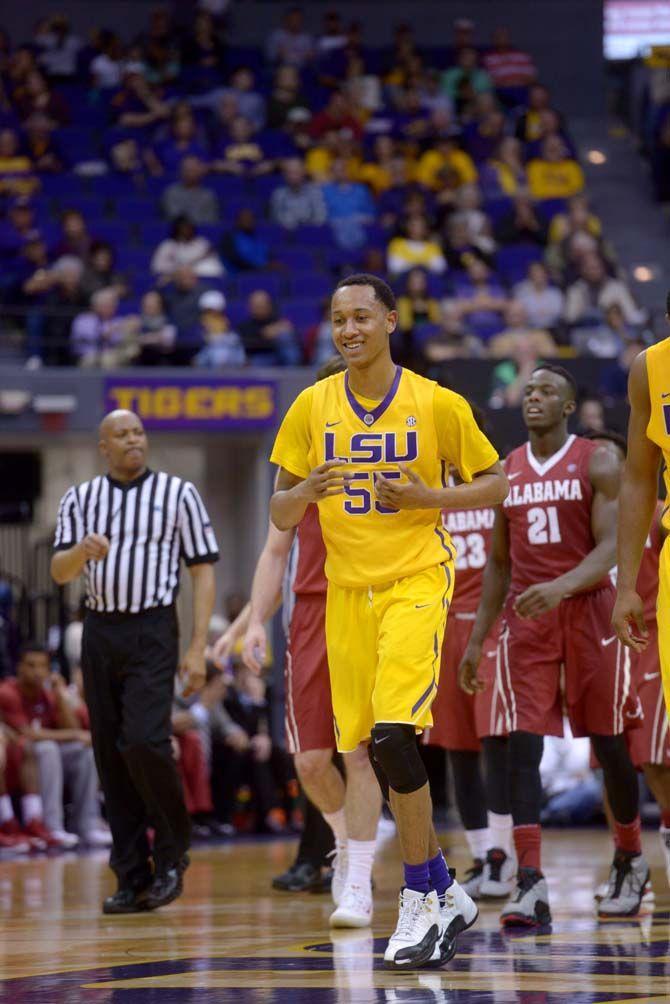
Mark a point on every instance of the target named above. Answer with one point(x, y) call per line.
point(553, 546)
point(370, 447)
point(648, 444)
point(649, 745)
point(466, 724)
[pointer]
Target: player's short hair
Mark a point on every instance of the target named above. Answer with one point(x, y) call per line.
point(383, 291)
point(335, 364)
point(611, 436)
point(564, 374)
point(28, 647)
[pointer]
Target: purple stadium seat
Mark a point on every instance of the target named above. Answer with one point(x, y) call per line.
point(247, 282)
point(115, 233)
point(312, 235)
point(302, 311)
point(317, 283)
point(512, 262)
point(138, 208)
point(548, 208)
point(497, 209)
point(298, 259)
point(236, 310)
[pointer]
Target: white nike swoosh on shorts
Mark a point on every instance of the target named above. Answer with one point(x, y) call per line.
point(607, 641)
point(651, 676)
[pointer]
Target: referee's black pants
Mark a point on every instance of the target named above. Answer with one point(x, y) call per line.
point(129, 663)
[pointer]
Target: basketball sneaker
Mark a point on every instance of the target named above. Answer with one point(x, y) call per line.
point(628, 879)
point(300, 877)
point(46, 839)
point(354, 908)
point(473, 878)
point(529, 904)
point(418, 930)
point(458, 912)
point(499, 875)
point(339, 865)
point(12, 841)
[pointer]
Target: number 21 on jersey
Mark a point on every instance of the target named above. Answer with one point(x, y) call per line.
point(543, 525)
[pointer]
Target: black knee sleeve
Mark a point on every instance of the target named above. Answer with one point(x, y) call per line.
point(496, 766)
point(469, 788)
point(619, 775)
point(395, 750)
point(525, 753)
point(382, 779)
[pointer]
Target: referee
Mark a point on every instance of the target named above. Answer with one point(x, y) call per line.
point(127, 532)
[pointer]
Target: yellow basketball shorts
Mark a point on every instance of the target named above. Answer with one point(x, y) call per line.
point(663, 620)
point(384, 645)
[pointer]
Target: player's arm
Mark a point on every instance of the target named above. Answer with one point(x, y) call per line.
point(604, 473)
point(293, 494)
point(494, 592)
point(639, 491)
point(265, 594)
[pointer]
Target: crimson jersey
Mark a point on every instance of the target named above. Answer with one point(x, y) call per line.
point(647, 579)
point(548, 513)
point(470, 531)
point(309, 574)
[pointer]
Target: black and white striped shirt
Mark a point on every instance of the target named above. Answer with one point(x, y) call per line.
point(151, 523)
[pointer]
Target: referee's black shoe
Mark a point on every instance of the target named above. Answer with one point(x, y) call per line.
point(127, 900)
point(168, 885)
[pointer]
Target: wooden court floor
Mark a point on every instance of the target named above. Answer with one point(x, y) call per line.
point(232, 939)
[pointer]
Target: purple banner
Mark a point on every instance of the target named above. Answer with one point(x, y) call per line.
point(209, 403)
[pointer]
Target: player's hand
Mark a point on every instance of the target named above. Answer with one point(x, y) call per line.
point(325, 480)
point(410, 494)
point(192, 670)
point(95, 546)
point(467, 671)
point(539, 599)
point(254, 648)
point(222, 648)
point(628, 620)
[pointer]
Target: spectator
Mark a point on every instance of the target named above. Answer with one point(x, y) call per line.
point(37, 99)
point(268, 338)
point(59, 48)
point(554, 175)
point(504, 174)
point(320, 157)
point(509, 68)
point(193, 770)
point(183, 141)
point(181, 298)
point(242, 154)
point(75, 238)
point(19, 226)
point(577, 218)
point(243, 248)
point(392, 203)
point(137, 104)
point(55, 296)
point(614, 376)
point(333, 35)
point(184, 247)
point(222, 345)
point(522, 224)
point(41, 146)
point(529, 123)
point(450, 340)
point(588, 299)
point(16, 169)
point(100, 272)
point(335, 117)
point(297, 201)
point(481, 300)
point(457, 245)
point(203, 52)
point(416, 305)
point(35, 704)
point(660, 162)
point(362, 89)
point(156, 336)
point(510, 376)
point(189, 197)
point(349, 206)
point(318, 344)
point(100, 337)
point(483, 136)
point(285, 97)
point(591, 414)
point(250, 103)
point(415, 247)
point(606, 340)
point(466, 79)
point(445, 153)
point(290, 43)
point(517, 326)
point(542, 302)
point(468, 207)
point(106, 68)
point(376, 172)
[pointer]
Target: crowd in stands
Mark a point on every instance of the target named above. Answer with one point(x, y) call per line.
point(182, 200)
point(235, 778)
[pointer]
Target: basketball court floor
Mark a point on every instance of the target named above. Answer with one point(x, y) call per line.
point(230, 938)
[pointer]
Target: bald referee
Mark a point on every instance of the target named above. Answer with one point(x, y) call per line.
point(127, 531)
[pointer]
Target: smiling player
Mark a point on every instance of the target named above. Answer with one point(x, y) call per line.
point(371, 447)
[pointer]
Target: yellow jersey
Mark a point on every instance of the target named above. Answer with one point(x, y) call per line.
point(658, 429)
point(418, 423)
